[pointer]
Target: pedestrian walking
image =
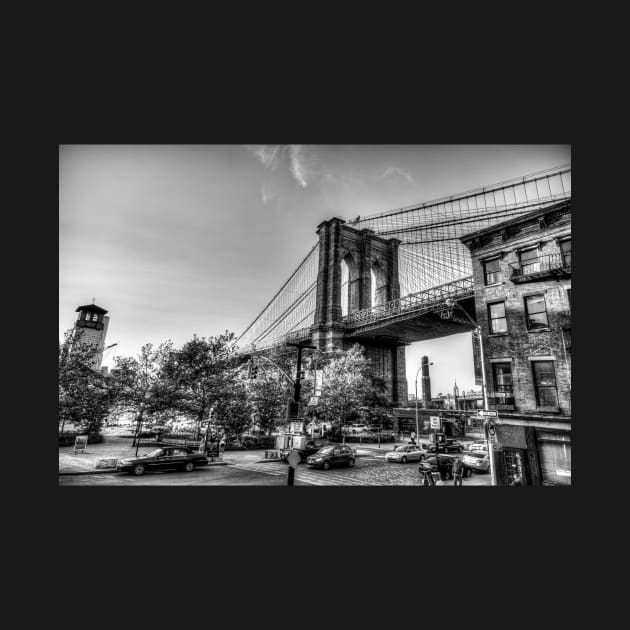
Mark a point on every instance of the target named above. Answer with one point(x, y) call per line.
point(458, 472)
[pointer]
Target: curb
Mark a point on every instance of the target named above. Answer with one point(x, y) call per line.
point(101, 471)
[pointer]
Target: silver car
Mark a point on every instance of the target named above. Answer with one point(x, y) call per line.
point(407, 453)
point(477, 460)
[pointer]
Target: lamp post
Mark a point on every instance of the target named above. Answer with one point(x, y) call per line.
point(477, 331)
point(418, 372)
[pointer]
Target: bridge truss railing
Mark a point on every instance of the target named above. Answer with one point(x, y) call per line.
point(424, 301)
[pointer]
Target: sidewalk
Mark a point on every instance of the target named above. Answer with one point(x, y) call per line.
point(101, 458)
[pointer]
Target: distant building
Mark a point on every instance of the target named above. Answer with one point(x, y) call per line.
point(91, 324)
point(522, 276)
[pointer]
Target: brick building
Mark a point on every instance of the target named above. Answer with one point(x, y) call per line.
point(522, 276)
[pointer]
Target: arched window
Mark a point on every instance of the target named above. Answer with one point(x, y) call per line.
point(349, 286)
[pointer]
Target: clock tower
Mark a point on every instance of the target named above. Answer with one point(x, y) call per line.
point(91, 325)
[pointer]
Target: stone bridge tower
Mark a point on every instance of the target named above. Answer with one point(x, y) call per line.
point(358, 270)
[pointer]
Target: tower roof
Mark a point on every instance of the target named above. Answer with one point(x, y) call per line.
point(91, 307)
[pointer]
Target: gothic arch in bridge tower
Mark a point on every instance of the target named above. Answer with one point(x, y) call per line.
point(350, 285)
point(357, 271)
point(379, 286)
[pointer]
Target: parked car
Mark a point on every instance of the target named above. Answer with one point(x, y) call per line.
point(451, 446)
point(335, 455)
point(168, 457)
point(479, 446)
point(355, 428)
point(407, 453)
point(477, 460)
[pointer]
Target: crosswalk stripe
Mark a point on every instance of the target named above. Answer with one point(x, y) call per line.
point(327, 479)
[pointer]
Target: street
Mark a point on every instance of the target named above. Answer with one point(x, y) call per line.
point(370, 470)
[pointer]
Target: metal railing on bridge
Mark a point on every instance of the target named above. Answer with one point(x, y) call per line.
point(423, 301)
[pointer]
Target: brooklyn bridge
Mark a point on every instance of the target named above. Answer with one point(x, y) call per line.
point(386, 280)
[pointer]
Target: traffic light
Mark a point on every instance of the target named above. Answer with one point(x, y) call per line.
point(254, 371)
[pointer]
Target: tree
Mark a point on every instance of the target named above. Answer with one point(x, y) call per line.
point(347, 384)
point(204, 371)
point(269, 392)
point(139, 382)
point(233, 411)
point(84, 395)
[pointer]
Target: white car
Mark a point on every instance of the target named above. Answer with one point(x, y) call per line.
point(406, 453)
point(478, 447)
point(477, 460)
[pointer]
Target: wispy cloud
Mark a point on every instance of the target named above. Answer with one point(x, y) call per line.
point(268, 154)
point(393, 171)
point(298, 164)
point(301, 164)
point(266, 194)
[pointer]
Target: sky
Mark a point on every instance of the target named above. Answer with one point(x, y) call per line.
point(176, 240)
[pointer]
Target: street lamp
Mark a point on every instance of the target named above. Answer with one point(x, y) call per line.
point(477, 331)
point(418, 372)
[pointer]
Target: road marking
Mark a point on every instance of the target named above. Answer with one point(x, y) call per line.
point(306, 476)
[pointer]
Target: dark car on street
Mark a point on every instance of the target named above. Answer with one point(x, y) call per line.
point(449, 446)
point(337, 455)
point(165, 458)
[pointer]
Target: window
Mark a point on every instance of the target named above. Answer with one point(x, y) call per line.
point(515, 466)
point(492, 270)
point(503, 388)
point(555, 458)
point(545, 384)
point(496, 317)
point(565, 248)
point(529, 261)
point(536, 312)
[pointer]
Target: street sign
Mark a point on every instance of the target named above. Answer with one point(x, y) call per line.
point(497, 447)
point(294, 459)
point(491, 414)
point(435, 422)
point(492, 428)
point(313, 401)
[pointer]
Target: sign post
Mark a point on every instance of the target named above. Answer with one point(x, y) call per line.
point(294, 459)
point(435, 422)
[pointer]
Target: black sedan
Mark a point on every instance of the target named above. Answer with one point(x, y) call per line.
point(165, 458)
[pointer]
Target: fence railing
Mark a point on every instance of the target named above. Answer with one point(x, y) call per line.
point(541, 264)
point(427, 300)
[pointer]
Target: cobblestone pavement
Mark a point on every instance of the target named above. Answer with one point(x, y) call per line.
point(245, 468)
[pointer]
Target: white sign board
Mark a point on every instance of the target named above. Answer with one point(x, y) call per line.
point(492, 414)
point(294, 459)
point(296, 427)
point(435, 422)
point(319, 379)
point(313, 401)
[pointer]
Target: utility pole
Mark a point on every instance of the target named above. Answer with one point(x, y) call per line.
point(293, 405)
